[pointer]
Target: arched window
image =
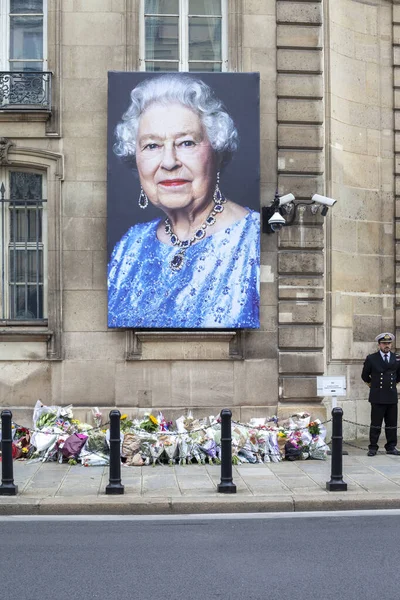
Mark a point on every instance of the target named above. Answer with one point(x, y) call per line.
point(30, 252)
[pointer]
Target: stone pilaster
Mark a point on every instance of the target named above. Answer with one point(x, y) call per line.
point(396, 100)
point(301, 265)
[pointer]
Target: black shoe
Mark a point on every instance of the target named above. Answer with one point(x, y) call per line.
point(394, 451)
point(372, 453)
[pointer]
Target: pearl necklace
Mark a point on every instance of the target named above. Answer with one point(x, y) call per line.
point(177, 261)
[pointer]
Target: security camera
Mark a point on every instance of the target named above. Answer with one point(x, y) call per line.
point(276, 222)
point(272, 215)
point(323, 200)
point(286, 199)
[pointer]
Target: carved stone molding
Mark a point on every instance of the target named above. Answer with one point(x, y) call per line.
point(5, 144)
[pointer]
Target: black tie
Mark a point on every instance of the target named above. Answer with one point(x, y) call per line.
point(386, 358)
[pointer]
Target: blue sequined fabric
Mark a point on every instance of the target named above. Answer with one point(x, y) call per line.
point(217, 286)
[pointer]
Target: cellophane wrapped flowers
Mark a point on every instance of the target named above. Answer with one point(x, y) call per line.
point(155, 440)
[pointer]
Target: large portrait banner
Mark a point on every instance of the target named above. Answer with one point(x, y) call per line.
point(183, 200)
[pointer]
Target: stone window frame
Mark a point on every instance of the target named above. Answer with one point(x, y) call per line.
point(234, 34)
point(53, 59)
point(5, 14)
point(234, 338)
point(183, 35)
point(51, 164)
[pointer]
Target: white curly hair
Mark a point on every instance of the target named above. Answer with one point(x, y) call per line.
point(188, 91)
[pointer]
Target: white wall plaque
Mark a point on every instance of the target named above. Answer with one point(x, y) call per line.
point(331, 386)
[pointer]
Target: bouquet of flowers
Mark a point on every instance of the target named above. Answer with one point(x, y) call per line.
point(198, 454)
point(210, 449)
point(79, 427)
point(96, 441)
point(293, 446)
point(245, 456)
point(94, 460)
point(22, 432)
point(149, 423)
point(164, 425)
point(299, 421)
point(156, 449)
point(125, 423)
point(183, 449)
point(190, 423)
point(263, 444)
point(313, 428)
point(170, 447)
point(253, 445)
point(281, 440)
point(97, 416)
point(275, 453)
point(318, 448)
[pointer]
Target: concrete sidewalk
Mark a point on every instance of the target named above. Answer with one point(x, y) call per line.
point(51, 488)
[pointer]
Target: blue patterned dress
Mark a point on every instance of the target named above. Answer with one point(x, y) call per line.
point(217, 286)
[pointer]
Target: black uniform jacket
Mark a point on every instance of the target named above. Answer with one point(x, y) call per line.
point(383, 378)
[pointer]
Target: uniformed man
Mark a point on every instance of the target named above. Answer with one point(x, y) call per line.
point(381, 372)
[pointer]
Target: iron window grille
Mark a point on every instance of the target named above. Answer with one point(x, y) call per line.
point(23, 256)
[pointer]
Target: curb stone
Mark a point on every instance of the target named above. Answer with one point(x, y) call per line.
point(86, 505)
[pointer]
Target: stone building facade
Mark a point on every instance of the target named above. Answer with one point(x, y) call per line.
point(330, 110)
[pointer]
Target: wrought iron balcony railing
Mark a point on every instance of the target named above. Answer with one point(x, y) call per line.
point(22, 90)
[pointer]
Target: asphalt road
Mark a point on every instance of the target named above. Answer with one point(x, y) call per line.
point(309, 558)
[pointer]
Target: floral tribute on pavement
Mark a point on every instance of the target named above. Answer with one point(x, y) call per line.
point(57, 436)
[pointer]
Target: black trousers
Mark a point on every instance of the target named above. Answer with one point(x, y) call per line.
point(378, 413)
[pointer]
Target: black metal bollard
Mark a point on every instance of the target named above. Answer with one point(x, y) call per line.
point(7, 487)
point(115, 486)
point(336, 484)
point(226, 486)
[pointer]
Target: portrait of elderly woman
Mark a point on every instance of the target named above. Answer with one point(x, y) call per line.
point(194, 262)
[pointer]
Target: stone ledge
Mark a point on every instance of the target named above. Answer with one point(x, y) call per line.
point(25, 344)
point(184, 345)
point(25, 116)
point(21, 335)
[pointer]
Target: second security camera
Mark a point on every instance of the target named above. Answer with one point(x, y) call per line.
point(323, 200)
point(286, 199)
